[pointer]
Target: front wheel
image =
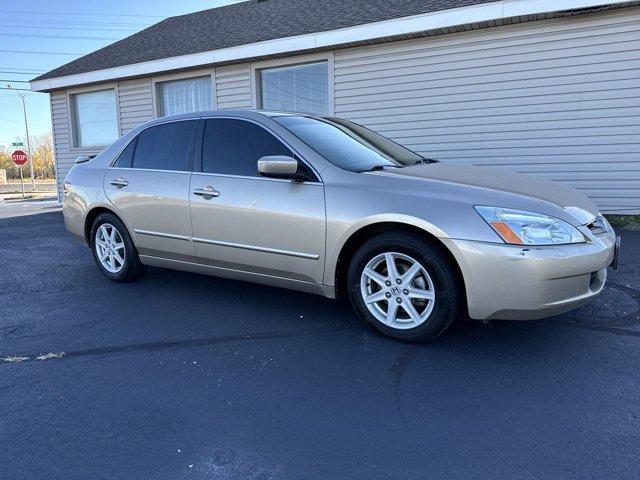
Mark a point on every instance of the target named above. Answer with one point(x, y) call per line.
point(404, 286)
point(113, 249)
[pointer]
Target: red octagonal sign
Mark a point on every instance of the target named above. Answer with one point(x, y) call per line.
point(19, 157)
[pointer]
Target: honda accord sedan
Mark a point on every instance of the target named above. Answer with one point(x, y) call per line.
point(326, 206)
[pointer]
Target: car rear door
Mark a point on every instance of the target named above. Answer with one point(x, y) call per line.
point(149, 185)
point(246, 222)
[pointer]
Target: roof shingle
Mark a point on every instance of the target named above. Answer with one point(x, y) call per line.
point(245, 23)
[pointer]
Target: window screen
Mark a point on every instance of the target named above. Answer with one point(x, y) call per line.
point(165, 147)
point(233, 147)
point(95, 121)
point(298, 88)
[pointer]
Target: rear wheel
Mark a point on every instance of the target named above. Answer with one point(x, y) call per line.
point(404, 287)
point(113, 249)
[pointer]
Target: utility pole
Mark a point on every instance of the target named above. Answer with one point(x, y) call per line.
point(26, 127)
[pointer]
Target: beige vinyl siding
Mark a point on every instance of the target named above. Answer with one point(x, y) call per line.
point(557, 98)
point(135, 103)
point(233, 86)
point(61, 136)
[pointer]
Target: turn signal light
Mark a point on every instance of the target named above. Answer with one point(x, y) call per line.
point(506, 233)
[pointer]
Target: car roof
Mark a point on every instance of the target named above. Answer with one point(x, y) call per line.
point(249, 114)
point(238, 113)
point(241, 113)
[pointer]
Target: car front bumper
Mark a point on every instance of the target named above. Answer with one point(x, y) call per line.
point(525, 283)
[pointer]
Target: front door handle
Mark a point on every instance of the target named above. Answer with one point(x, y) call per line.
point(207, 192)
point(119, 182)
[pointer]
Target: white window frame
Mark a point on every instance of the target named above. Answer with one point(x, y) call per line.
point(292, 62)
point(71, 114)
point(155, 90)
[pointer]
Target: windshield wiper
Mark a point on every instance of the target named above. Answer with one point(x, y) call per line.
point(378, 168)
point(425, 160)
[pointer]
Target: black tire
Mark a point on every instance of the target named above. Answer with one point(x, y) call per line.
point(449, 293)
point(132, 268)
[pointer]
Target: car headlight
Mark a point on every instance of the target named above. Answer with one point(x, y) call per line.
point(518, 227)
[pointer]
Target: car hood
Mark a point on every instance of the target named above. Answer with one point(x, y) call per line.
point(573, 202)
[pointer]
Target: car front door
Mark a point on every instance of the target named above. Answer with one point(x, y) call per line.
point(242, 221)
point(149, 185)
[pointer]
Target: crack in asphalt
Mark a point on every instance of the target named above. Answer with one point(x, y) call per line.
point(602, 328)
point(634, 293)
point(399, 368)
point(147, 346)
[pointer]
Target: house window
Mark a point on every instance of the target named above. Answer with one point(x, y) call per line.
point(95, 122)
point(297, 88)
point(184, 96)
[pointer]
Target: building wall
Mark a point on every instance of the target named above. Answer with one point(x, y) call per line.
point(233, 86)
point(557, 98)
point(134, 103)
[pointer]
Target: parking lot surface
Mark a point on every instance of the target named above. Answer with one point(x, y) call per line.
point(182, 376)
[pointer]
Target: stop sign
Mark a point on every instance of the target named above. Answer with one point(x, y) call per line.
point(19, 157)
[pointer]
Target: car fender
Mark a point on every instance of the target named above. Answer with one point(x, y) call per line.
point(334, 253)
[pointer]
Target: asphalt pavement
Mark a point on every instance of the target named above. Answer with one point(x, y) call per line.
point(183, 376)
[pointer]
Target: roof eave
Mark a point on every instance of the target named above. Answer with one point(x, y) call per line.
point(324, 40)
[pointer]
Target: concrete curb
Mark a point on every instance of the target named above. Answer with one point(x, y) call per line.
point(28, 198)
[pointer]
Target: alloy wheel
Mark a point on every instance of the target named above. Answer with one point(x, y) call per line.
point(110, 248)
point(397, 290)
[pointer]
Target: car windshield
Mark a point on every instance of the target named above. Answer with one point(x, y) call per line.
point(348, 145)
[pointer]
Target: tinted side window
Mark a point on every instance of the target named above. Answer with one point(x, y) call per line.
point(233, 147)
point(125, 160)
point(165, 147)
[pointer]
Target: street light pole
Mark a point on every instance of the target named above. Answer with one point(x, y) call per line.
point(26, 127)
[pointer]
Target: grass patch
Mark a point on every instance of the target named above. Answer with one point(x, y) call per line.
point(629, 222)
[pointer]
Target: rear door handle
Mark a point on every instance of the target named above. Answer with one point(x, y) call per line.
point(207, 192)
point(119, 182)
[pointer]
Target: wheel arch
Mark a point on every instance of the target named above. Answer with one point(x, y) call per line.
point(358, 236)
point(93, 213)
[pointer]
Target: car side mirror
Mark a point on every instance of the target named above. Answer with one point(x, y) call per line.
point(278, 166)
point(84, 158)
